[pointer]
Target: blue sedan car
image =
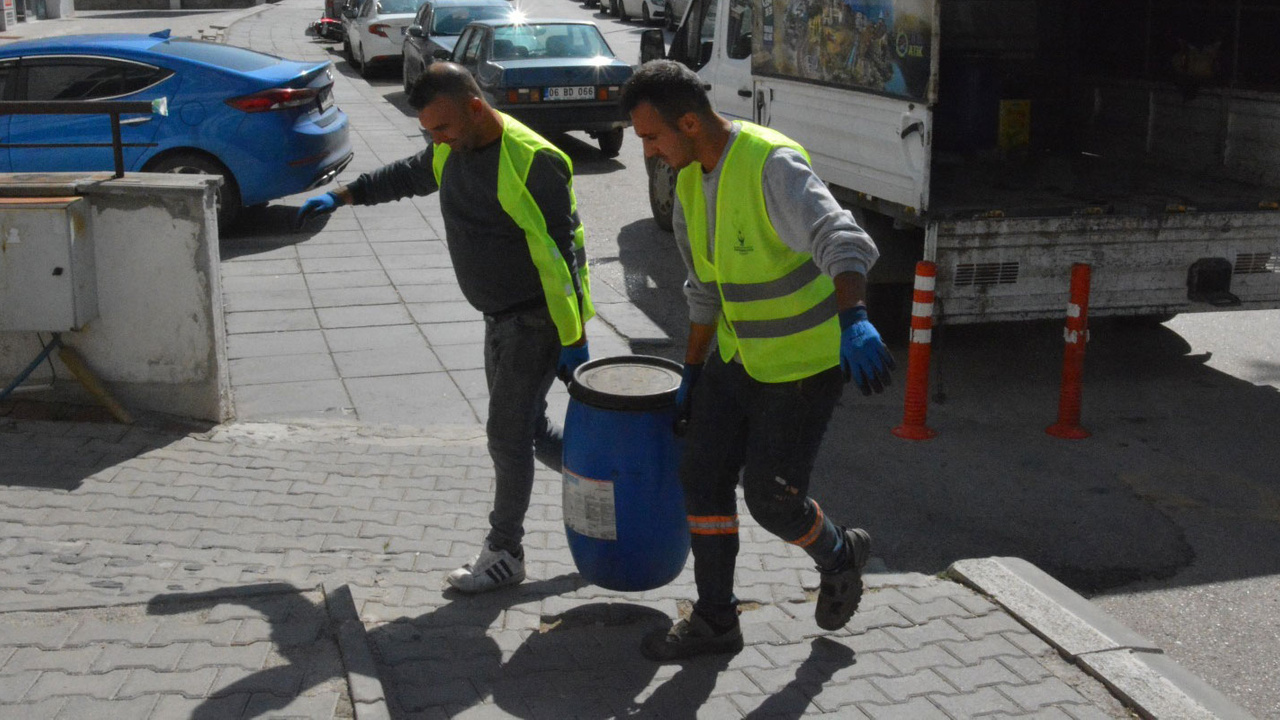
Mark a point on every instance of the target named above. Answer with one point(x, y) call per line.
point(267, 125)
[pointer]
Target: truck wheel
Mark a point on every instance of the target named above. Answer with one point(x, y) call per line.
point(610, 142)
point(662, 191)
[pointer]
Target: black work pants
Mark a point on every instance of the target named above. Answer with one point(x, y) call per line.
point(769, 434)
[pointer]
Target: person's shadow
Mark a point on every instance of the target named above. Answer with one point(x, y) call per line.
point(583, 662)
point(297, 627)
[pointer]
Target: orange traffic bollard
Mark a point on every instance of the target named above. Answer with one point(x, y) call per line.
point(916, 406)
point(1076, 335)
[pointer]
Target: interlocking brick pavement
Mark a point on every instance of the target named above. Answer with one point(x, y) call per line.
point(170, 615)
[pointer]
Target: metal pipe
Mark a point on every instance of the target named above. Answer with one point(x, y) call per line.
point(57, 341)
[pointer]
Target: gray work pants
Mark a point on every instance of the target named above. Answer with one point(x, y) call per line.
point(521, 350)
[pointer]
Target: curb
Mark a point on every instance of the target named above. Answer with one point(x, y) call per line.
point(367, 696)
point(1132, 667)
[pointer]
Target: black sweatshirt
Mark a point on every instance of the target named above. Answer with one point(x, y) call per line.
point(489, 251)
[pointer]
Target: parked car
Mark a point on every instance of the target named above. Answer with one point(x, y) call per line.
point(436, 28)
point(648, 11)
point(374, 31)
point(268, 126)
point(552, 75)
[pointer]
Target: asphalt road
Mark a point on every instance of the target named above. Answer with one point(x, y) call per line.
point(1168, 517)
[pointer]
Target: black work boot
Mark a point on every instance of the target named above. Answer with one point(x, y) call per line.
point(840, 590)
point(689, 638)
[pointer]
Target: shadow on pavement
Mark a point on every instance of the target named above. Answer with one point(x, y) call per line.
point(826, 658)
point(79, 442)
point(582, 663)
point(1182, 459)
point(265, 228)
point(296, 624)
point(654, 275)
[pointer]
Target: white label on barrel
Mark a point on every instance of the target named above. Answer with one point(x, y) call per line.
point(588, 507)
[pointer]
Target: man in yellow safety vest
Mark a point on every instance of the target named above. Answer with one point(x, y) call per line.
point(777, 276)
point(516, 243)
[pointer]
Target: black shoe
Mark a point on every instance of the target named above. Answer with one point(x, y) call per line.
point(841, 590)
point(689, 638)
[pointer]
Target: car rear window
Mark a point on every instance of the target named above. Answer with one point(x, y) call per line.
point(224, 56)
point(553, 41)
point(391, 7)
point(451, 20)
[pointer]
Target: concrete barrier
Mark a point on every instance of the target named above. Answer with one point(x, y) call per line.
point(159, 341)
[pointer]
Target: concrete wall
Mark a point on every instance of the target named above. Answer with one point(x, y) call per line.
point(159, 342)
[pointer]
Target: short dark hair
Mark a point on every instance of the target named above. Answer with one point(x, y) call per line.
point(670, 87)
point(442, 78)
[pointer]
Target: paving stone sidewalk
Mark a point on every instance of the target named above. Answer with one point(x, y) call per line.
point(170, 574)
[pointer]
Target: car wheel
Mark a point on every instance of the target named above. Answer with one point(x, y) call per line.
point(364, 64)
point(671, 20)
point(662, 191)
point(228, 195)
point(346, 52)
point(644, 14)
point(615, 8)
point(622, 11)
point(610, 142)
point(408, 74)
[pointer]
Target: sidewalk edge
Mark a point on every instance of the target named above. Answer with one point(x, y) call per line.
point(367, 695)
point(1131, 666)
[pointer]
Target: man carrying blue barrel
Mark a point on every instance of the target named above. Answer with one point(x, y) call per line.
point(777, 277)
point(513, 234)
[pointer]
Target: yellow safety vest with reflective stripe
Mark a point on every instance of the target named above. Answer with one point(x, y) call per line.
point(519, 144)
point(778, 310)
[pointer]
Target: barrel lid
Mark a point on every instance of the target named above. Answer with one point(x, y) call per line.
point(627, 382)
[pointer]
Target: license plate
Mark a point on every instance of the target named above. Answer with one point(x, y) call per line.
point(326, 100)
point(573, 92)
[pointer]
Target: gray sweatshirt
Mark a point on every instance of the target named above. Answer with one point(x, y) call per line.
point(489, 252)
point(804, 214)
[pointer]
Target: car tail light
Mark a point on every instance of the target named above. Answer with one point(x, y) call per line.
point(608, 92)
point(379, 29)
point(524, 95)
point(274, 99)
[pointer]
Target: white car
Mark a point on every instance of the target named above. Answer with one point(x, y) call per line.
point(375, 31)
point(648, 11)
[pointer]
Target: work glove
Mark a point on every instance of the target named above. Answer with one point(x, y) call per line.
point(863, 356)
point(315, 207)
point(684, 397)
point(571, 356)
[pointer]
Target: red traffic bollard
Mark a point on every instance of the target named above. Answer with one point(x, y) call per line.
point(916, 405)
point(1076, 335)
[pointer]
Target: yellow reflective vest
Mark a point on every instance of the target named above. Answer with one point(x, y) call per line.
point(519, 144)
point(778, 310)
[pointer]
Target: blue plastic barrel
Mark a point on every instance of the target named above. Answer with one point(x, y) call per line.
point(623, 508)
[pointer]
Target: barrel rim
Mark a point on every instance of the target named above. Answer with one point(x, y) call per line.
point(606, 401)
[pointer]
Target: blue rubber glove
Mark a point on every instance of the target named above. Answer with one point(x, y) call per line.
point(315, 207)
point(571, 356)
point(863, 356)
point(684, 396)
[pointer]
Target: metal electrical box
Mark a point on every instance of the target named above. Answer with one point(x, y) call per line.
point(47, 278)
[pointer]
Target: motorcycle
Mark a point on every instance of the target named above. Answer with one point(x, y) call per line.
point(327, 28)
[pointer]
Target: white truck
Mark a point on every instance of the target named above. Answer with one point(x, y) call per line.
point(1005, 140)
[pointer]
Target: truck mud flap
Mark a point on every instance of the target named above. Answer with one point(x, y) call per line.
point(995, 269)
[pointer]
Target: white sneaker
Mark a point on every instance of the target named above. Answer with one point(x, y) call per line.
point(489, 570)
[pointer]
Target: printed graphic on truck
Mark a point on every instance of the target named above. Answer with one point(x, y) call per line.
point(879, 45)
